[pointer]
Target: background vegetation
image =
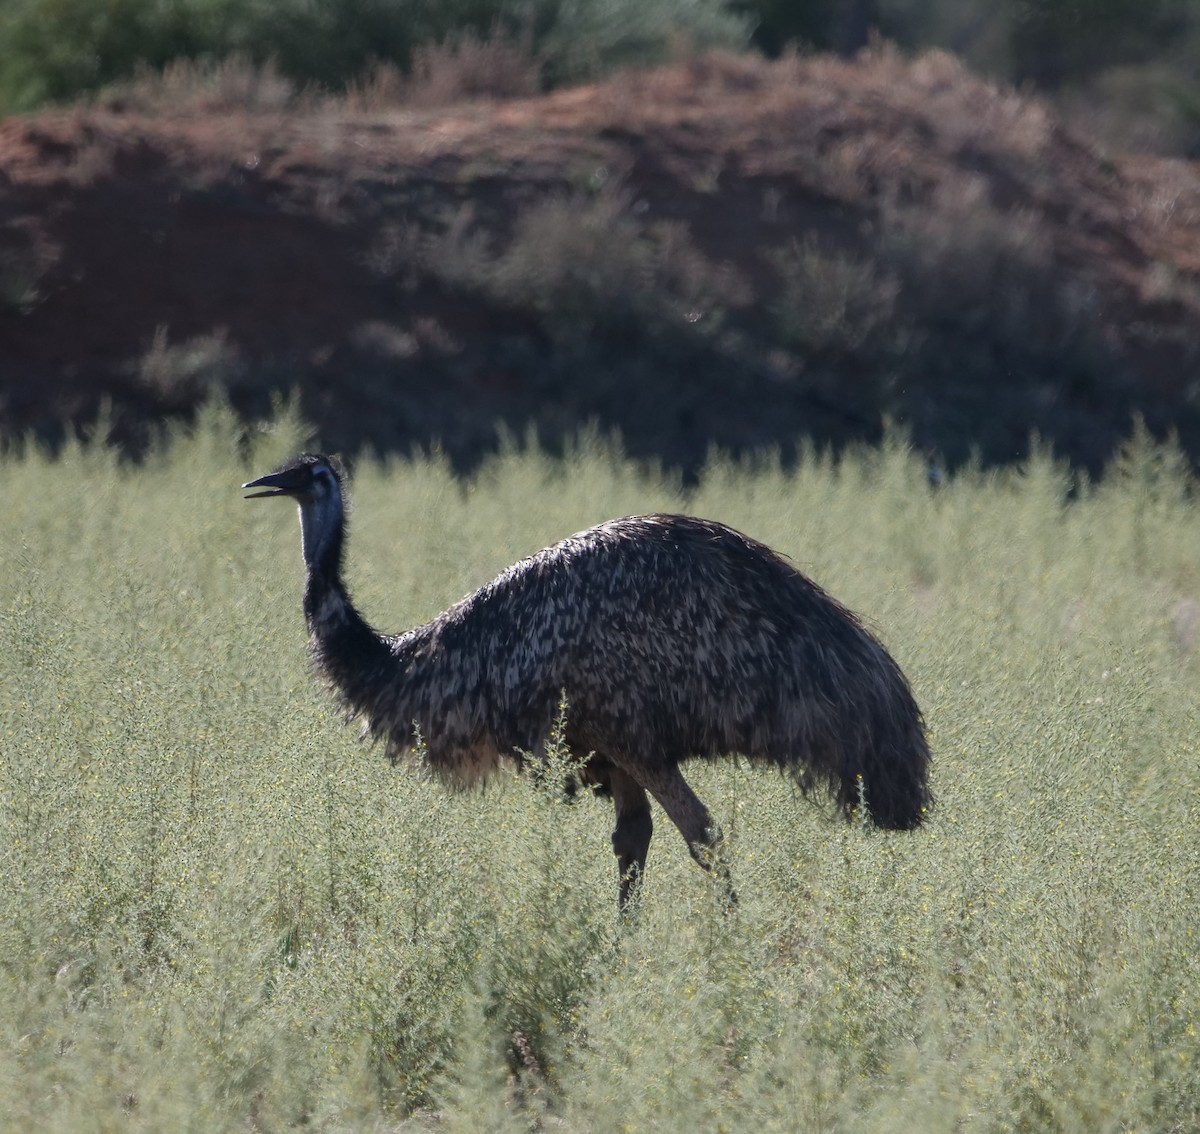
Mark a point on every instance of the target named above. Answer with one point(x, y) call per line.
point(730, 250)
point(1127, 66)
point(57, 49)
point(218, 912)
point(1128, 71)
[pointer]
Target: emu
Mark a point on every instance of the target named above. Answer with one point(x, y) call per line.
point(670, 637)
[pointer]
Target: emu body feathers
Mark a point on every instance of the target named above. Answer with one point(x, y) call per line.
point(671, 637)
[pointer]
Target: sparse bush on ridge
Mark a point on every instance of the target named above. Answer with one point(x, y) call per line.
point(1123, 71)
point(946, 311)
point(218, 910)
point(962, 260)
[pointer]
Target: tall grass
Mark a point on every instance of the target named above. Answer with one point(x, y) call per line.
point(219, 912)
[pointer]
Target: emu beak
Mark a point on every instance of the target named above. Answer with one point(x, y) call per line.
point(274, 483)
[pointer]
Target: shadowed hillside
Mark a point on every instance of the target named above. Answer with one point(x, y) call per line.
point(727, 252)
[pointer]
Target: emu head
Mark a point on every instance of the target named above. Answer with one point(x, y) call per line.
point(314, 481)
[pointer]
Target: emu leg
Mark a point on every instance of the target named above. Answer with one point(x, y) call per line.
point(631, 838)
point(684, 809)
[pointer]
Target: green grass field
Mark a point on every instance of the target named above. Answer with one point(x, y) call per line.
point(220, 912)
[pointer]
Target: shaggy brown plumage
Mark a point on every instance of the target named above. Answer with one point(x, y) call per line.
point(671, 637)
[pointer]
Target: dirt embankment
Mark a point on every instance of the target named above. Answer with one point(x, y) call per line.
point(779, 250)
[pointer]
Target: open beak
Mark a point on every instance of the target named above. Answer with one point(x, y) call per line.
point(274, 484)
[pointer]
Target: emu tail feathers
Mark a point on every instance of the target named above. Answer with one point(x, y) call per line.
point(891, 783)
point(888, 775)
point(860, 737)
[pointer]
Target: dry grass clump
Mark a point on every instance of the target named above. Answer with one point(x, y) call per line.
point(205, 86)
point(177, 373)
point(968, 111)
point(462, 68)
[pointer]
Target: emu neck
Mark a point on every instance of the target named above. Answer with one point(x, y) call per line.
point(350, 652)
point(322, 536)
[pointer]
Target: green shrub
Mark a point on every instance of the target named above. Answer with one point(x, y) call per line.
point(830, 305)
point(582, 264)
point(587, 38)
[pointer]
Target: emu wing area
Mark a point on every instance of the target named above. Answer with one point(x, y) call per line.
point(671, 637)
